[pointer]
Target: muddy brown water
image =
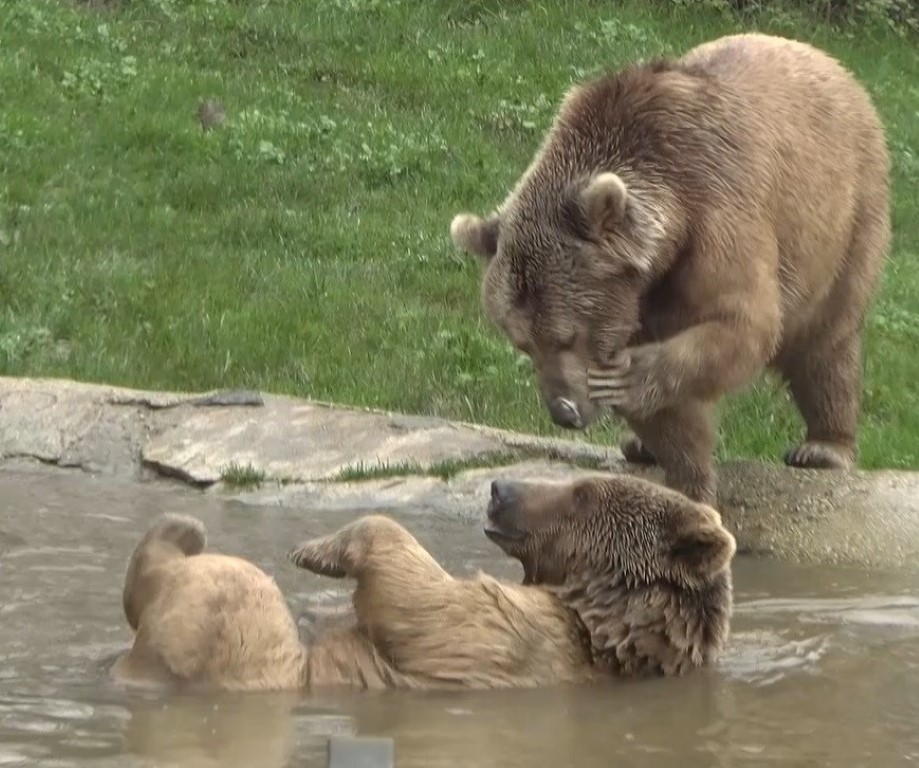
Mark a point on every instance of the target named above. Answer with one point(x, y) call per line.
point(823, 667)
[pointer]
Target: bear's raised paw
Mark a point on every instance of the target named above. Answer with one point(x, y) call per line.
point(319, 556)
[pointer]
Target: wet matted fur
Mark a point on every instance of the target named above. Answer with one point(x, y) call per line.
point(622, 577)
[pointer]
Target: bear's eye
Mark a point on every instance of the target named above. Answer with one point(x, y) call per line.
point(561, 337)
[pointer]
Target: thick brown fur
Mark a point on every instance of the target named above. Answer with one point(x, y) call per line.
point(685, 225)
point(622, 577)
point(646, 569)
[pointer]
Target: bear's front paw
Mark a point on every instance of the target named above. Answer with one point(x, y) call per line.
point(636, 452)
point(635, 384)
point(318, 556)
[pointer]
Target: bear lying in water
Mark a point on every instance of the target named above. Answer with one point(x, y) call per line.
point(621, 577)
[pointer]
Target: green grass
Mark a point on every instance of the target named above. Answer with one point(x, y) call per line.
point(242, 475)
point(450, 468)
point(302, 246)
point(445, 470)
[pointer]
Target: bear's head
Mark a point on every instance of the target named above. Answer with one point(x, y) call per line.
point(646, 568)
point(589, 227)
point(564, 273)
point(621, 525)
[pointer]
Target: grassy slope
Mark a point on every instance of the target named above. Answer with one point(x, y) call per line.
point(303, 246)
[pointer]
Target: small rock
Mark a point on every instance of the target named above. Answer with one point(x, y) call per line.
point(210, 114)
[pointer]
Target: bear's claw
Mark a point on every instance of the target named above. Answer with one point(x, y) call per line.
point(817, 455)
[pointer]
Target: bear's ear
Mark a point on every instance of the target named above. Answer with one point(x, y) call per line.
point(604, 200)
point(701, 548)
point(476, 235)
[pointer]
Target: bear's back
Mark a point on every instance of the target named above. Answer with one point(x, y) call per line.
point(820, 162)
point(799, 99)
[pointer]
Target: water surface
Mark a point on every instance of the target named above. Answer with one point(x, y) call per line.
point(823, 666)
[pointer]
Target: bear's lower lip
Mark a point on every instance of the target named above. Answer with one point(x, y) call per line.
point(499, 534)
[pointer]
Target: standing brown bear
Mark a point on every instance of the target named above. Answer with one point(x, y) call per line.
point(686, 224)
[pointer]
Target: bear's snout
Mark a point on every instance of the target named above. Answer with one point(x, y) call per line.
point(565, 413)
point(504, 512)
point(503, 492)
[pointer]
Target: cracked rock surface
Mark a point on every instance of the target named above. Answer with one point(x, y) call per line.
point(317, 455)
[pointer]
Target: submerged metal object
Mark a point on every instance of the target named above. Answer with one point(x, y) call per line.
point(361, 752)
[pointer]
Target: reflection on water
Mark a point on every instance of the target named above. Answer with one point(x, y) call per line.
point(823, 666)
point(216, 730)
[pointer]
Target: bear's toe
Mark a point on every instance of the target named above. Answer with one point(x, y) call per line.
point(635, 452)
point(818, 455)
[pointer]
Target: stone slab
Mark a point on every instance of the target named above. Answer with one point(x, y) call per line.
point(196, 436)
point(294, 441)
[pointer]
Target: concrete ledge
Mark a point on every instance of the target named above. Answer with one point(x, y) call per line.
point(314, 454)
point(195, 436)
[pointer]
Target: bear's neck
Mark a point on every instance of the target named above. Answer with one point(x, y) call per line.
point(651, 629)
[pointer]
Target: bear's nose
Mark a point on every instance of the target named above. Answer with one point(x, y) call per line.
point(565, 413)
point(503, 492)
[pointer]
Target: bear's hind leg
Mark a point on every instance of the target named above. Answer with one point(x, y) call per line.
point(823, 366)
point(825, 381)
